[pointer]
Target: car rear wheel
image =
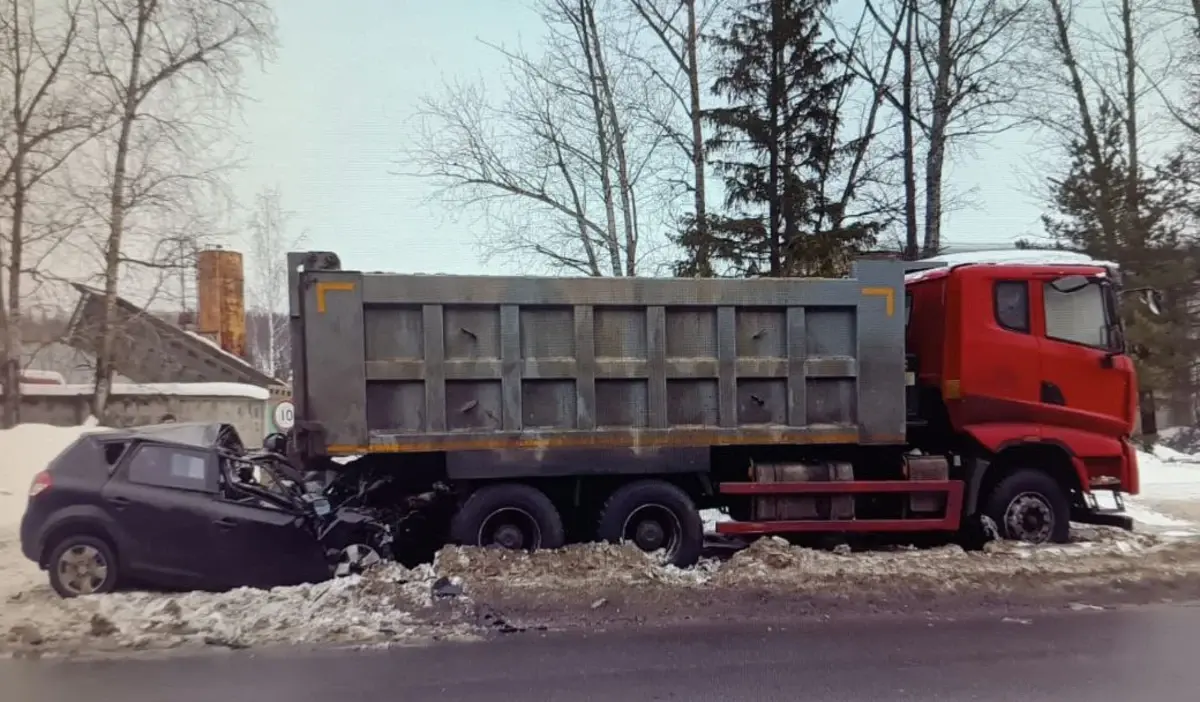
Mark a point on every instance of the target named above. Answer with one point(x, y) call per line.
point(1030, 506)
point(654, 515)
point(82, 565)
point(508, 515)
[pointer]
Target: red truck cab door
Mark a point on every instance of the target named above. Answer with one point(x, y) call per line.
point(1086, 379)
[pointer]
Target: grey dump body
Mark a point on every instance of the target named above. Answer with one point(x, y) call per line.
point(500, 371)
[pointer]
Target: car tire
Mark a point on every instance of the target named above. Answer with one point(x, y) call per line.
point(1030, 506)
point(508, 515)
point(74, 557)
point(670, 519)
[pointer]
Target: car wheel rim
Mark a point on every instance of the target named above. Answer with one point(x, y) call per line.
point(653, 528)
point(82, 569)
point(356, 558)
point(510, 528)
point(1030, 518)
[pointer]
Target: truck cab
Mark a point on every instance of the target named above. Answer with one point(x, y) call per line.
point(1022, 362)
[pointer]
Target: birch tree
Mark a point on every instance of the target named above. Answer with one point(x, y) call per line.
point(270, 238)
point(954, 84)
point(44, 122)
point(169, 71)
point(675, 29)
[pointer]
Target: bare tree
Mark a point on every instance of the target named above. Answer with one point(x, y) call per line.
point(566, 169)
point(955, 84)
point(269, 240)
point(676, 28)
point(169, 71)
point(1084, 67)
point(43, 124)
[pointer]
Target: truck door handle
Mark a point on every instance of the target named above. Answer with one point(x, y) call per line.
point(225, 523)
point(1051, 394)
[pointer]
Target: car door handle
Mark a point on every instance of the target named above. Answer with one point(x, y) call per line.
point(119, 502)
point(225, 523)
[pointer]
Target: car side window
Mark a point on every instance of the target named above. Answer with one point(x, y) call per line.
point(1011, 302)
point(1077, 317)
point(169, 467)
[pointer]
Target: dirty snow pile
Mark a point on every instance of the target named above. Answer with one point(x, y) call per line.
point(1095, 553)
point(384, 605)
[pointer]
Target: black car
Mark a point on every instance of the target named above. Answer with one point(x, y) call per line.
point(186, 506)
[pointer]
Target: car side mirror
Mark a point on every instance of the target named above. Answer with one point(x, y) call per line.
point(1070, 283)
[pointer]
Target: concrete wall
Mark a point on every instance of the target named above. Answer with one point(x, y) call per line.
point(137, 408)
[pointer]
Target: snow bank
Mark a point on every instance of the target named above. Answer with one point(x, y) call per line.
point(1169, 474)
point(252, 392)
point(389, 604)
point(24, 452)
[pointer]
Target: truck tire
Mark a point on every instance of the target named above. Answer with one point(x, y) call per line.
point(654, 515)
point(1030, 506)
point(508, 515)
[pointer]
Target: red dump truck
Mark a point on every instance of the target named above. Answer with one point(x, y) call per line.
point(529, 412)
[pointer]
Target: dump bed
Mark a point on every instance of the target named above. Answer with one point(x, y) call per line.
point(405, 363)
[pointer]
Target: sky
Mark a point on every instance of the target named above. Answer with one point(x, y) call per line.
point(328, 120)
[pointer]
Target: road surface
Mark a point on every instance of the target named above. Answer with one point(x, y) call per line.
point(1146, 654)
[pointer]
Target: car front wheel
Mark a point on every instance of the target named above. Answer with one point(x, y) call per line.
point(82, 565)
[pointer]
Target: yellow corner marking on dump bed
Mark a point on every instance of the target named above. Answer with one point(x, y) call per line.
point(323, 288)
point(888, 293)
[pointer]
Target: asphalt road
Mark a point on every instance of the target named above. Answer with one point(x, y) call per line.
point(1142, 654)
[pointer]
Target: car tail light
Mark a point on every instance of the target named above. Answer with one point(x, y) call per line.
point(41, 483)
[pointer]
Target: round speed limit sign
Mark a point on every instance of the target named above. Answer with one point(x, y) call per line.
point(285, 416)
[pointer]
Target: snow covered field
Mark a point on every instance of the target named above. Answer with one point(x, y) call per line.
point(392, 605)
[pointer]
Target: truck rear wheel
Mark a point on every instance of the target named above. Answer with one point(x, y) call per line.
point(654, 515)
point(1030, 506)
point(508, 515)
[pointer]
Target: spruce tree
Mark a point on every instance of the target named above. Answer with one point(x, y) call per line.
point(775, 144)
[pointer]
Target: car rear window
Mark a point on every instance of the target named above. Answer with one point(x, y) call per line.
point(171, 467)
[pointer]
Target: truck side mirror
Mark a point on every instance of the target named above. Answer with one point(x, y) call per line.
point(1070, 283)
point(275, 443)
point(1153, 300)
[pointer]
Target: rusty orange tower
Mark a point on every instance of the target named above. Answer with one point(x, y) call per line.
point(221, 299)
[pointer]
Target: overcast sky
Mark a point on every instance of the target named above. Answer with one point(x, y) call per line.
point(329, 119)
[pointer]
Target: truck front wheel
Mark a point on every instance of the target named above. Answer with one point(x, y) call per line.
point(508, 515)
point(1030, 506)
point(655, 516)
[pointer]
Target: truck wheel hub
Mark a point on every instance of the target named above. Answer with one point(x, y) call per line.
point(649, 536)
point(1030, 518)
point(510, 536)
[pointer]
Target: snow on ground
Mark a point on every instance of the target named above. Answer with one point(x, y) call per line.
point(1169, 501)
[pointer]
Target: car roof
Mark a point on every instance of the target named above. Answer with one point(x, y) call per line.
point(196, 434)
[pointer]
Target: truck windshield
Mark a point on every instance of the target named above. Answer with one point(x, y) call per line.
point(1078, 317)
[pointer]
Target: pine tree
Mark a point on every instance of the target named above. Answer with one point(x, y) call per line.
point(776, 146)
point(1158, 252)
